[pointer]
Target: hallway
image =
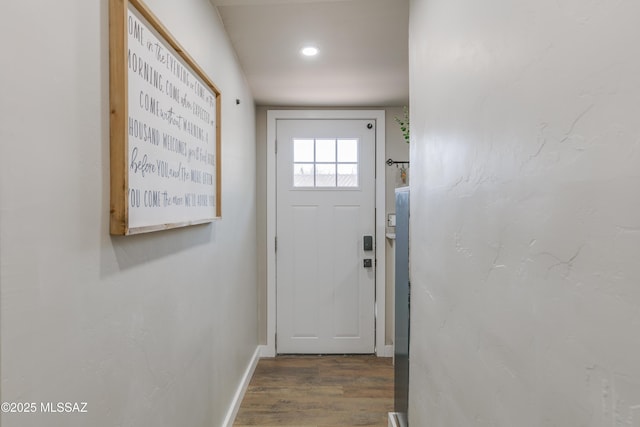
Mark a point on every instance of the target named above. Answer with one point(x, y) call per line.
point(315, 391)
point(524, 177)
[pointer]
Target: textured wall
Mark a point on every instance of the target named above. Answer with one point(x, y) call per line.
point(525, 213)
point(149, 330)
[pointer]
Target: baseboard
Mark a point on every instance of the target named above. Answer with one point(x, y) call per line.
point(396, 419)
point(267, 351)
point(387, 351)
point(393, 419)
point(242, 388)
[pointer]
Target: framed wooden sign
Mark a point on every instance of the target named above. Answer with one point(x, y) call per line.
point(165, 127)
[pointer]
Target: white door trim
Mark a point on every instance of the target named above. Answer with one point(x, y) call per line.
point(269, 350)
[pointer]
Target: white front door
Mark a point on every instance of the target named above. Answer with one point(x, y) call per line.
point(325, 208)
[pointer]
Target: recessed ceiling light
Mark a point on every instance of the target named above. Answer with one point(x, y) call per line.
point(309, 51)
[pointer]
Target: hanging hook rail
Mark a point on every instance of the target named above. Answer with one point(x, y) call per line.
point(391, 162)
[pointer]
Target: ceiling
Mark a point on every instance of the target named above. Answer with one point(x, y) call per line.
point(363, 59)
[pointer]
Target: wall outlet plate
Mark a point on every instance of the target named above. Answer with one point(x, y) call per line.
point(391, 220)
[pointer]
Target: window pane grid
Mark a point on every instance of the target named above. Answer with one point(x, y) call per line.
point(325, 163)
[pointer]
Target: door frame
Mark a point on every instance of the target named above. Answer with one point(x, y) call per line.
point(269, 350)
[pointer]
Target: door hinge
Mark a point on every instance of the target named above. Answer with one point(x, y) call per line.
point(276, 146)
point(276, 243)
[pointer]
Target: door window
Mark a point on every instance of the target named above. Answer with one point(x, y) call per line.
point(325, 163)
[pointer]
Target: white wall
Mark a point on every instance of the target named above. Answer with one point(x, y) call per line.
point(525, 213)
point(150, 330)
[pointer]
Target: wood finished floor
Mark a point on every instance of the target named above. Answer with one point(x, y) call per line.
point(319, 391)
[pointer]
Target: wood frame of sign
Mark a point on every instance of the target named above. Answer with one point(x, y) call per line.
point(165, 128)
